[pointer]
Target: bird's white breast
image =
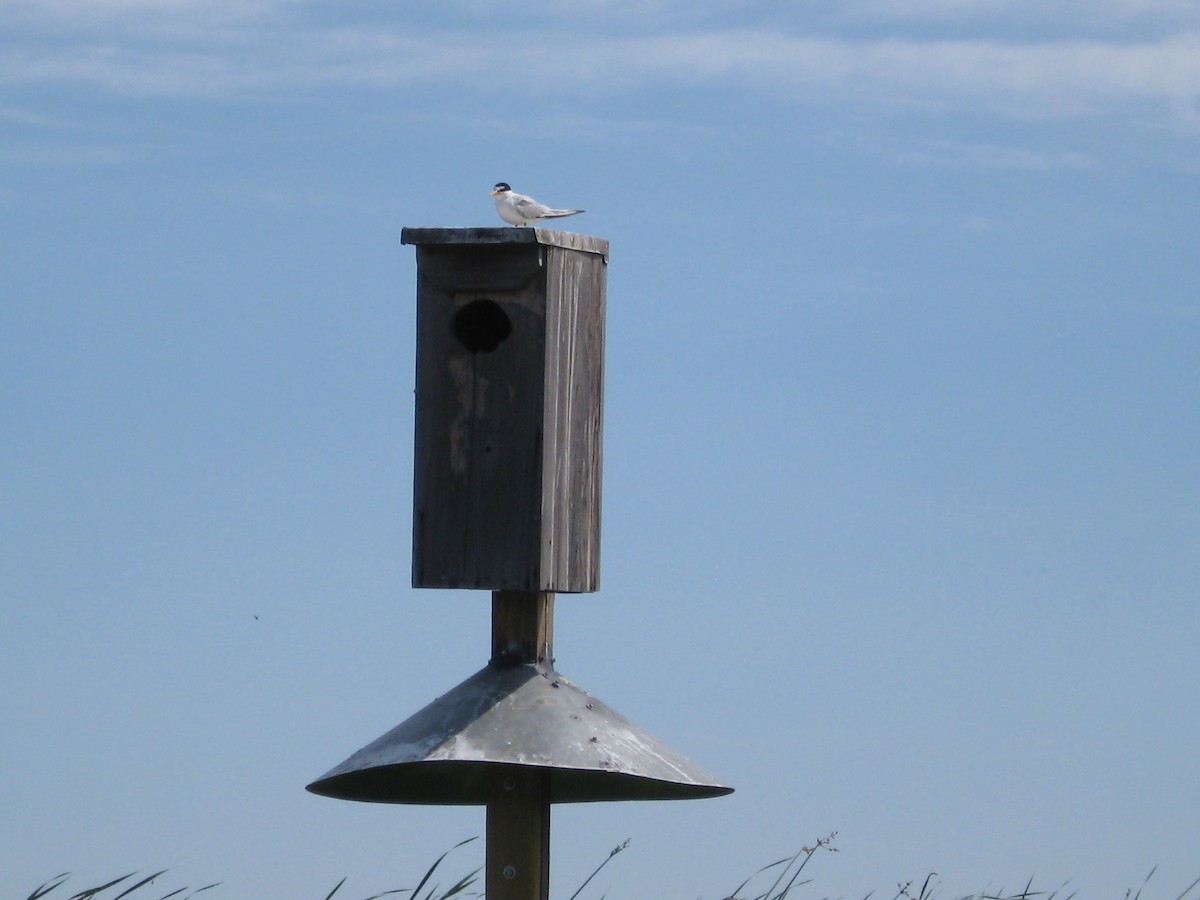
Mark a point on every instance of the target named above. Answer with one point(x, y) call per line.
point(508, 211)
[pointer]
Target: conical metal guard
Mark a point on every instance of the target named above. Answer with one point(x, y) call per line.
point(523, 715)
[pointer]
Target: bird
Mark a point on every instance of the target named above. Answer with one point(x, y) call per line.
point(517, 209)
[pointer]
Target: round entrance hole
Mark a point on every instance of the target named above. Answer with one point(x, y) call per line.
point(481, 326)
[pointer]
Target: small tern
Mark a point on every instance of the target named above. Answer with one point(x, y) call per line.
point(517, 209)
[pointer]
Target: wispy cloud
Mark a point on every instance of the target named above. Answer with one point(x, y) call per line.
point(276, 50)
point(997, 156)
point(76, 14)
point(1029, 11)
point(62, 155)
point(628, 15)
point(25, 117)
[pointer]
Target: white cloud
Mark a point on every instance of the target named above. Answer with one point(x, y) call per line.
point(1029, 11)
point(996, 156)
point(25, 117)
point(279, 55)
point(86, 13)
point(62, 155)
point(1075, 16)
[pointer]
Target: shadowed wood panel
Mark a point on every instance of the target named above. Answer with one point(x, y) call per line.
point(510, 343)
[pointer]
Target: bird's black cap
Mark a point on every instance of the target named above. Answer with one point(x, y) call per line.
point(501, 186)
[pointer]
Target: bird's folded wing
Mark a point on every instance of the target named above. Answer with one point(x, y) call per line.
point(530, 208)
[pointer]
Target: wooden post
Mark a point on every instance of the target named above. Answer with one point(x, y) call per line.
point(522, 627)
point(518, 835)
point(517, 865)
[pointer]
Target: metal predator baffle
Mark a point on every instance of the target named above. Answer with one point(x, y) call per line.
point(506, 498)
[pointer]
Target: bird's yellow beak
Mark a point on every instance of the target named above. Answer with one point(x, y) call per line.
point(495, 191)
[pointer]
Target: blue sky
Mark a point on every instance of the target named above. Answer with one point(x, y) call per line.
point(901, 499)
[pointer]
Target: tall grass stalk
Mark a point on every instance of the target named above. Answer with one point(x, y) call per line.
point(780, 878)
point(785, 878)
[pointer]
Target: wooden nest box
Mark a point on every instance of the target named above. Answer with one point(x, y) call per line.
point(509, 391)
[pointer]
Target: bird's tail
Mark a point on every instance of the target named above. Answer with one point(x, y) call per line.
point(559, 213)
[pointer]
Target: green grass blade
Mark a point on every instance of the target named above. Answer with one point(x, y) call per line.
point(1188, 890)
point(1138, 895)
point(43, 889)
point(142, 883)
point(437, 862)
point(1027, 893)
point(596, 871)
point(92, 892)
point(737, 890)
point(792, 882)
point(465, 882)
point(786, 868)
point(207, 887)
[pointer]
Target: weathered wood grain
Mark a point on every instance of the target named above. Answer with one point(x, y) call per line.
point(517, 865)
point(572, 455)
point(522, 627)
point(510, 359)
